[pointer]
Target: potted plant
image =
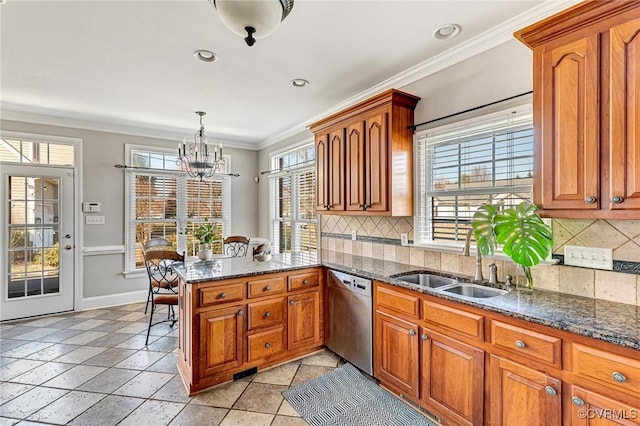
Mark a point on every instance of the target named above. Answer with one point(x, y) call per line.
point(206, 234)
point(524, 237)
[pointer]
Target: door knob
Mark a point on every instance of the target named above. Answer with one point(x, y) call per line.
point(67, 247)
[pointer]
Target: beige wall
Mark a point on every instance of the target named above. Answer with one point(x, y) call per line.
point(105, 184)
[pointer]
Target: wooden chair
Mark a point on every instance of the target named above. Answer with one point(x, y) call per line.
point(236, 246)
point(155, 244)
point(163, 282)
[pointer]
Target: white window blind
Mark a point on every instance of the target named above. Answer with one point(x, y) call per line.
point(170, 204)
point(465, 165)
point(294, 225)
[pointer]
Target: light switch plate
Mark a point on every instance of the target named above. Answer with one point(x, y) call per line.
point(589, 257)
point(353, 235)
point(94, 220)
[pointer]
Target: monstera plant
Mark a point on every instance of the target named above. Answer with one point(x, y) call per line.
point(524, 237)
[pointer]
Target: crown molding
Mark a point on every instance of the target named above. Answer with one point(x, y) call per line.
point(15, 112)
point(472, 47)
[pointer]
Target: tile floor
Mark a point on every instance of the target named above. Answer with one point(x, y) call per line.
point(92, 368)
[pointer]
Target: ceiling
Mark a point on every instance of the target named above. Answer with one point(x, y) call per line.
point(130, 64)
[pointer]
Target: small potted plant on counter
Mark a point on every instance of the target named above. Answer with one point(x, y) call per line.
point(206, 234)
point(524, 237)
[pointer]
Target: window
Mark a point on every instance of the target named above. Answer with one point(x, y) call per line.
point(18, 150)
point(165, 202)
point(294, 225)
point(465, 165)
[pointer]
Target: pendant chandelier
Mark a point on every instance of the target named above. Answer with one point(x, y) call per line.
point(253, 18)
point(199, 159)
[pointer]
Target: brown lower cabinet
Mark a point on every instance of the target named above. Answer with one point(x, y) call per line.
point(223, 332)
point(469, 366)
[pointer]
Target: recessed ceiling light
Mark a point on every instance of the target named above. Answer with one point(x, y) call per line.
point(205, 55)
point(3, 2)
point(447, 31)
point(299, 82)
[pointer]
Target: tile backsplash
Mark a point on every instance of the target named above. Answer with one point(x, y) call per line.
point(379, 238)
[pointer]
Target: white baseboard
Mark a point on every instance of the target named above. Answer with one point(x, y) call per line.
point(110, 300)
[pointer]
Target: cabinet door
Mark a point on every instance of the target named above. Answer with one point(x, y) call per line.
point(336, 170)
point(522, 396)
point(590, 409)
point(322, 172)
point(624, 134)
point(396, 353)
point(452, 378)
point(221, 335)
point(303, 320)
point(355, 166)
point(570, 172)
point(376, 165)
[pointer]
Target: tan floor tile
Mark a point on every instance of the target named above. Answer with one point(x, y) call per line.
point(26, 349)
point(4, 421)
point(167, 364)
point(144, 384)
point(36, 334)
point(323, 359)
point(31, 401)
point(109, 380)
point(75, 377)
point(281, 375)
point(134, 328)
point(136, 342)
point(221, 396)
point(45, 372)
point(173, 390)
point(80, 355)
point(91, 314)
point(16, 368)
point(89, 324)
point(67, 408)
point(244, 418)
point(261, 397)
point(52, 352)
point(199, 415)
point(309, 372)
point(8, 391)
point(288, 421)
point(153, 413)
point(287, 410)
point(133, 316)
point(108, 411)
point(84, 338)
point(140, 360)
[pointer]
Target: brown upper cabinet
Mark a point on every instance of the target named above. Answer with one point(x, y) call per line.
point(364, 157)
point(586, 86)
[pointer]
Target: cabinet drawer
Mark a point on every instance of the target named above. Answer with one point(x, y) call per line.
point(266, 313)
point(266, 287)
point(300, 281)
point(392, 300)
point(221, 294)
point(266, 343)
point(469, 324)
point(527, 343)
point(610, 369)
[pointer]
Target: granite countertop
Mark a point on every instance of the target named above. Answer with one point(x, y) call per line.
point(616, 323)
point(236, 267)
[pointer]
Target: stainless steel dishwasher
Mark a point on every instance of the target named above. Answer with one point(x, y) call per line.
point(351, 319)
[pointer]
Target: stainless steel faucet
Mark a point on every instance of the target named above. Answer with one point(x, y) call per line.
point(465, 252)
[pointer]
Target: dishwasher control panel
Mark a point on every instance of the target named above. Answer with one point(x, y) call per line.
point(355, 284)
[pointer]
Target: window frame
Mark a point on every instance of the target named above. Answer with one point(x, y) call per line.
point(422, 190)
point(181, 219)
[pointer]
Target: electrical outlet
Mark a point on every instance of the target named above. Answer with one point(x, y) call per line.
point(589, 257)
point(94, 220)
point(354, 235)
point(404, 239)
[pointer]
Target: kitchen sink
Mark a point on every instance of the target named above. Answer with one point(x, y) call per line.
point(474, 291)
point(427, 280)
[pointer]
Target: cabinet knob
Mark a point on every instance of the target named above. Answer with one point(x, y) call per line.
point(590, 199)
point(520, 344)
point(292, 302)
point(305, 282)
point(240, 312)
point(424, 337)
point(267, 288)
point(267, 314)
point(619, 377)
point(223, 295)
point(366, 206)
point(550, 391)
point(616, 199)
point(267, 345)
point(577, 401)
point(412, 333)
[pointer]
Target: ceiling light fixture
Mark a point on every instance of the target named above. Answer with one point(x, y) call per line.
point(447, 31)
point(205, 55)
point(199, 159)
point(299, 82)
point(255, 19)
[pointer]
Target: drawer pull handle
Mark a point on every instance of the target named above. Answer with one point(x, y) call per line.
point(520, 344)
point(267, 288)
point(412, 333)
point(292, 302)
point(267, 314)
point(619, 377)
point(550, 391)
point(424, 337)
point(590, 199)
point(240, 312)
point(223, 295)
point(577, 401)
point(617, 199)
point(305, 282)
point(267, 345)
